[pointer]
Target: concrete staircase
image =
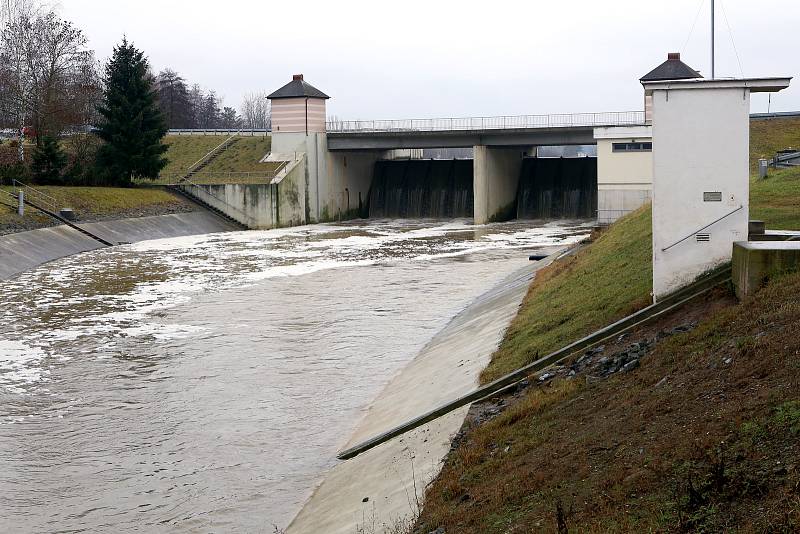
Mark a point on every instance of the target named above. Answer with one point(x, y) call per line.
point(203, 162)
point(179, 190)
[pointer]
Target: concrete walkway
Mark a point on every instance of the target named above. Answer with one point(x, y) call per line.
point(26, 250)
point(378, 487)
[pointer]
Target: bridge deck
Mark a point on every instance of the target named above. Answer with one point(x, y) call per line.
point(524, 130)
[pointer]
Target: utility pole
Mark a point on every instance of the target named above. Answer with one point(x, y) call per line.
point(712, 39)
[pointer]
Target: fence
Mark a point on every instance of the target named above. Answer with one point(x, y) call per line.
point(255, 132)
point(211, 178)
point(615, 118)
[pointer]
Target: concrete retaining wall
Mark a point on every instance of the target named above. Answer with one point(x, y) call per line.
point(26, 250)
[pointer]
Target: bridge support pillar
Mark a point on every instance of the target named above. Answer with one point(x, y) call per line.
point(495, 183)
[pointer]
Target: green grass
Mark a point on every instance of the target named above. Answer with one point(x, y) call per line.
point(241, 157)
point(776, 199)
point(769, 136)
point(91, 203)
point(184, 151)
point(609, 279)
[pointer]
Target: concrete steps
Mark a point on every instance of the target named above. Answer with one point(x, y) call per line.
point(209, 158)
point(179, 190)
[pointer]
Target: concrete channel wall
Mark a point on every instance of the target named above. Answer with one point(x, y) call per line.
point(27, 250)
point(388, 475)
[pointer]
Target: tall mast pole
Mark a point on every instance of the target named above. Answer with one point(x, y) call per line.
point(712, 39)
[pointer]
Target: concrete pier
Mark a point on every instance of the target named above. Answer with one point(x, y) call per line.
point(496, 180)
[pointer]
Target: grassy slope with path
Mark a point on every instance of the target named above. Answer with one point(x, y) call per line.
point(242, 156)
point(575, 448)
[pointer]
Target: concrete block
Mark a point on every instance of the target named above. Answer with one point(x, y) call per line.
point(755, 227)
point(755, 262)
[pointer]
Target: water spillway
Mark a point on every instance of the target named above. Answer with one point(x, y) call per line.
point(422, 189)
point(557, 188)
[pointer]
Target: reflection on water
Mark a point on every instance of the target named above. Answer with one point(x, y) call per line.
point(205, 383)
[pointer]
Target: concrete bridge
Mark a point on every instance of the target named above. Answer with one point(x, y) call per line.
point(501, 131)
point(329, 165)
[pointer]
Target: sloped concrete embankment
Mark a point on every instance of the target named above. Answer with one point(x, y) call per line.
point(26, 250)
point(385, 485)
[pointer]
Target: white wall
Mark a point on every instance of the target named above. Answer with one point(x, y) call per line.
point(624, 179)
point(700, 143)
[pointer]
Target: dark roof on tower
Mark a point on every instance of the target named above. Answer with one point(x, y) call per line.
point(297, 88)
point(672, 69)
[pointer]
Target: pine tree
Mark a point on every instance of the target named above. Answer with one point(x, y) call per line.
point(47, 164)
point(132, 125)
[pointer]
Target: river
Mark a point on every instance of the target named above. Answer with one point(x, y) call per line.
point(205, 383)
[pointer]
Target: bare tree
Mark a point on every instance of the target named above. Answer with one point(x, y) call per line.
point(256, 111)
point(50, 79)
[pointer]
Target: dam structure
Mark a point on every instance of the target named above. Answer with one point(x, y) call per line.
point(331, 170)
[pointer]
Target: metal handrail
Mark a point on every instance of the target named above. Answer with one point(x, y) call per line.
point(252, 132)
point(701, 229)
point(564, 120)
point(212, 151)
point(37, 194)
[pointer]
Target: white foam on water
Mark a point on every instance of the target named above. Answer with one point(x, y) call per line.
point(20, 366)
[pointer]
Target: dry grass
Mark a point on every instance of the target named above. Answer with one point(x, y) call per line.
point(92, 203)
point(686, 443)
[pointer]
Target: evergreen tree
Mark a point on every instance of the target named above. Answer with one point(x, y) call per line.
point(132, 125)
point(47, 164)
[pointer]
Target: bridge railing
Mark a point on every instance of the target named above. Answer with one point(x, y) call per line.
point(503, 122)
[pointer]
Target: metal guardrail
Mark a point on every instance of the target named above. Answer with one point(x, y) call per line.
point(218, 177)
point(244, 132)
point(615, 118)
point(671, 302)
point(38, 196)
point(212, 153)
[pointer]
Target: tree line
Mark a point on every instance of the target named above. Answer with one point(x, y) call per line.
point(93, 123)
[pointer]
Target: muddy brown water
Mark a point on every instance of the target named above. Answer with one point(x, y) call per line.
point(206, 383)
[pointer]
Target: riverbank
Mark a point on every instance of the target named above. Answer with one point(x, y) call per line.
point(383, 488)
point(92, 204)
point(21, 251)
point(698, 433)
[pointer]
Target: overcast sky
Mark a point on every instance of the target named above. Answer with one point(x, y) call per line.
point(380, 59)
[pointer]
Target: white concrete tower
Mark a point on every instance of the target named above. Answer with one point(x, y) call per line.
point(701, 187)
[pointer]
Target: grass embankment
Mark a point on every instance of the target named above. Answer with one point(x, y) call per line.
point(704, 436)
point(92, 204)
point(230, 166)
point(609, 279)
point(769, 136)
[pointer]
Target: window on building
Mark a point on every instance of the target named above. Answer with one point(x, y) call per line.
point(632, 147)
